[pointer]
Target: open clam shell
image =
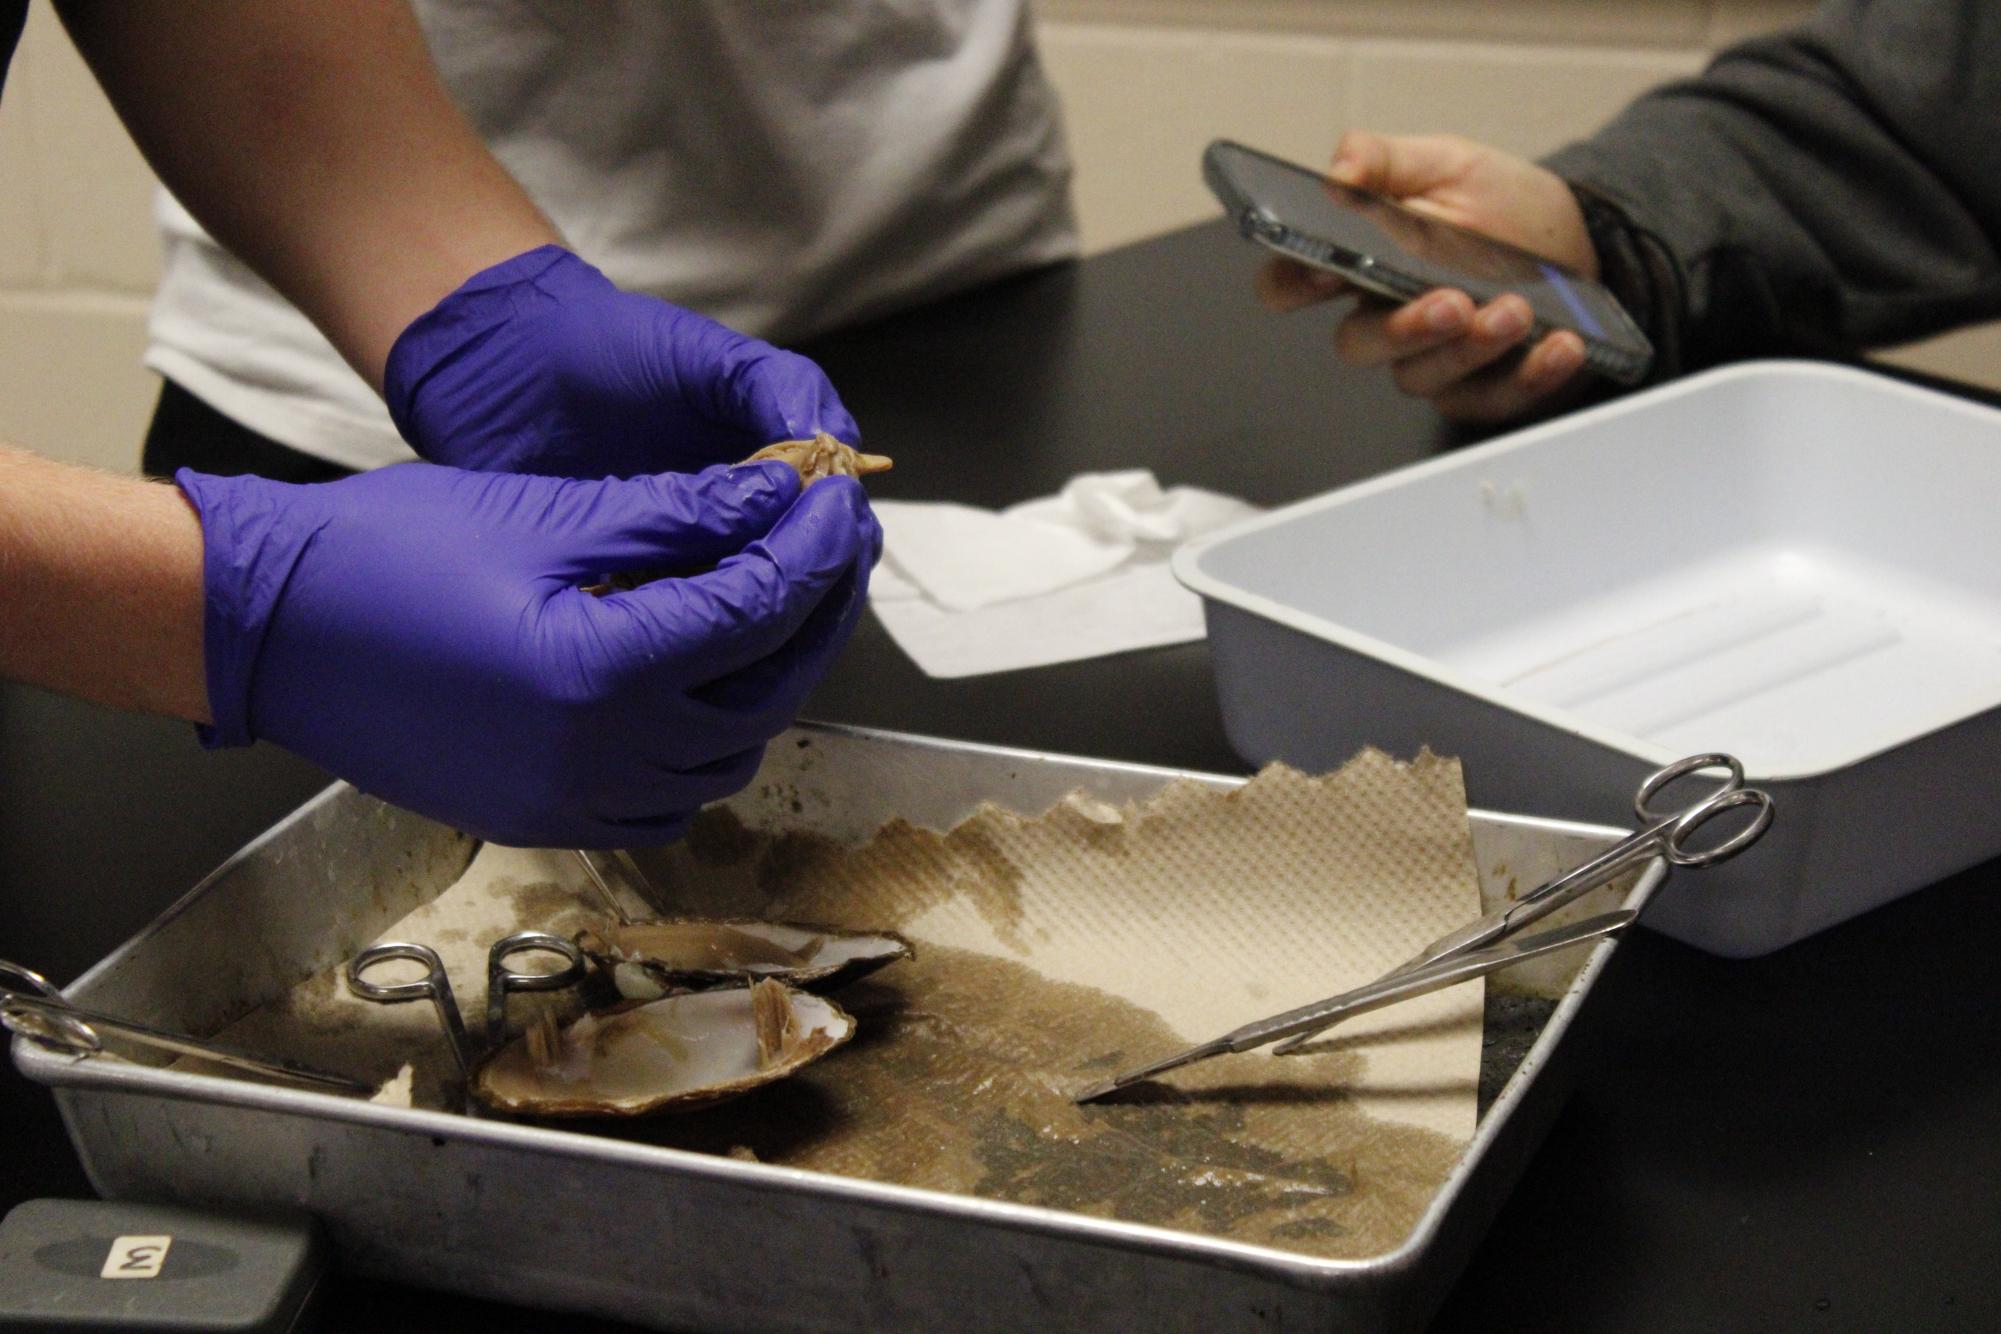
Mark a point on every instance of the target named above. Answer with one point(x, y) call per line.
point(675, 1054)
point(647, 960)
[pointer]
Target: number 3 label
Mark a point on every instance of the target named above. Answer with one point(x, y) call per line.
point(136, 1257)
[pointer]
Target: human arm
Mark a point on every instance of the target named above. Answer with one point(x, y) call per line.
point(100, 587)
point(1821, 191)
point(1824, 190)
point(422, 631)
point(315, 142)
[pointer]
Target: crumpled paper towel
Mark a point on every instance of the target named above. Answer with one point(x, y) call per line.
point(1083, 573)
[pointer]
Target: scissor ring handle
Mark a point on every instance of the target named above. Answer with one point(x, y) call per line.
point(54, 1030)
point(1675, 840)
point(431, 986)
point(1682, 768)
point(51, 1030)
point(526, 942)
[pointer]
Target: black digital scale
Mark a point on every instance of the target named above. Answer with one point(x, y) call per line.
point(77, 1266)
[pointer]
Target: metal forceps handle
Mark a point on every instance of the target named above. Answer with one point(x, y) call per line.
point(500, 979)
point(30, 1006)
point(51, 1023)
point(434, 986)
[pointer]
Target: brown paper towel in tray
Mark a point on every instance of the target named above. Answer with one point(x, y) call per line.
point(1207, 909)
point(1052, 950)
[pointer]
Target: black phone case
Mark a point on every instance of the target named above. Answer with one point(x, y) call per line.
point(1624, 365)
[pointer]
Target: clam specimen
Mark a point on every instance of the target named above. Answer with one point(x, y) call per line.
point(647, 960)
point(673, 1054)
point(822, 456)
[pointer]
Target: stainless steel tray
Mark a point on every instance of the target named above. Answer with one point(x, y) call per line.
point(677, 1239)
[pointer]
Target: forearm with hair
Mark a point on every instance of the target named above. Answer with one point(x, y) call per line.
point(101, 589)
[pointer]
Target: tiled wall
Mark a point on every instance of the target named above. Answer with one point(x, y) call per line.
point(77, 261)
point(1142, 102)
point(1145, 84)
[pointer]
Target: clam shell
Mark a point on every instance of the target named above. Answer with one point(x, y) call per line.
point(648, 960)
point(674, 1054)
point(822, 456)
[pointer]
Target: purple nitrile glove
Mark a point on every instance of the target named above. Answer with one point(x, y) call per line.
point(541, 364)
point(421, 632)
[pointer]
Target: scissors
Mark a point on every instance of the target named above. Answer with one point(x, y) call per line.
point(436, 987)
point(30, 1006)
point(1491, 943)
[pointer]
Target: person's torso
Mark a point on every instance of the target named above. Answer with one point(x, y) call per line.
point(785, 168)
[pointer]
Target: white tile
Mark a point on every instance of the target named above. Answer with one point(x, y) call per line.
point(94, 189)
point(1734, 20)
point(71, 385)
point(1529, 99)
point(1141, 104)
point(20, 209)
point(1972, 354)
point(1581, 21)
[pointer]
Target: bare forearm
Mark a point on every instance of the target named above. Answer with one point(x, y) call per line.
point(315, 141)
point(100, 587)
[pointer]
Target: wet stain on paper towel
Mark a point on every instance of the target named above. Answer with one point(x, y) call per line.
point(961, 1076)
point(540, 900)
point(724, 869)
point(960, 1080)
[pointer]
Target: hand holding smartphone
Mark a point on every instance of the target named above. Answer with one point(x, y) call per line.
point(1383, 247)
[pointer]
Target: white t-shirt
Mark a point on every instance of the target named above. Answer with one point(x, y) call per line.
point(782, 167)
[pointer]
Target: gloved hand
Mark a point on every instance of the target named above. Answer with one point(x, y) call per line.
point(421, 631)
point(540, 364)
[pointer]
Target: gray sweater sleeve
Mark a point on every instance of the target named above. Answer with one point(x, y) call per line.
point(1828, 189)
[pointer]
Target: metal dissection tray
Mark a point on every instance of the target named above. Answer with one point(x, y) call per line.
point(677, 1239)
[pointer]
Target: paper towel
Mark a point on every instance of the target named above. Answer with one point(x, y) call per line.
point(1052, 949)
point(966, 591)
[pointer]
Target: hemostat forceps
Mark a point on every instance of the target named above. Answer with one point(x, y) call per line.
point(30, 1006)
point(1491, 943)
point(436, 987)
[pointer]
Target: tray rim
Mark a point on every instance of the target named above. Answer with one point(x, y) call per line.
point(64, 1072)
point(1187, 567)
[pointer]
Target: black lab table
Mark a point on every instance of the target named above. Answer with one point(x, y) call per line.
point(1808, 1141)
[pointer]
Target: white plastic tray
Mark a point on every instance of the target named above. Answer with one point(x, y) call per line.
point(1793, 562)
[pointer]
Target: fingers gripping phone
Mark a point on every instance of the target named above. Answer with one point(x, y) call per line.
point(1382, 247)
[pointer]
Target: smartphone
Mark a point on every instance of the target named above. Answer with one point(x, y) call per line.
point(1382, 247)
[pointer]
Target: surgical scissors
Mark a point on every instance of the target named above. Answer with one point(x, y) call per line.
point(436, 987)
point(32, 1007)
point(1491, 944)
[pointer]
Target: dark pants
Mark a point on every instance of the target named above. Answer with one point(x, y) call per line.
point(188, 433)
